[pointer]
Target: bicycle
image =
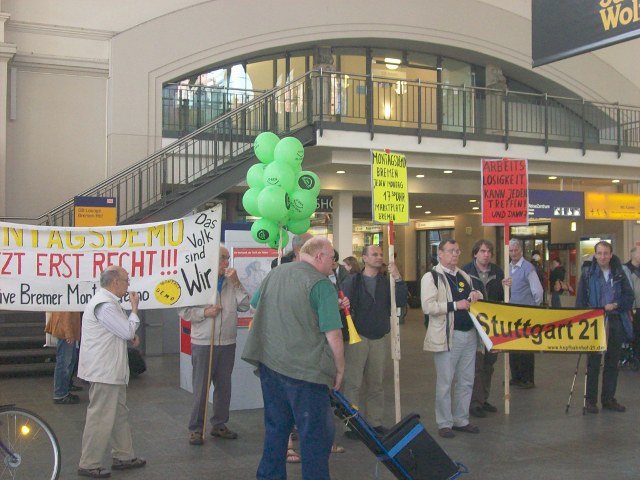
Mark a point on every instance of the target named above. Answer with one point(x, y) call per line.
point(28, 447)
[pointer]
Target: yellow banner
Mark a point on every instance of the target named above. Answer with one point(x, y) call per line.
point(390, 190)
point(611, 206)
point(517, 327)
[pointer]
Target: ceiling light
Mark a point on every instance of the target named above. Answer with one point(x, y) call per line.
point(615, 181)
point(427, 212)
point(552, 177)
point(341, 171)
point(473, 200)
point(420, 175)
point(448, 171)
point(418, 206)
point(475, 208)
point(392, 63)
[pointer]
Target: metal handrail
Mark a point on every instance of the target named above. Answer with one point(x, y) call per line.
point(373, 104)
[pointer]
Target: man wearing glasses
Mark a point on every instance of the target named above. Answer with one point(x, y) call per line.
point(104, 363)
point(452, 338)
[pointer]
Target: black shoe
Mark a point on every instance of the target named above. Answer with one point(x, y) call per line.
point(477, 412)
point(75, 388)
point(613, 405)
point(487, 407)
point(69, 399)
point(526, 385)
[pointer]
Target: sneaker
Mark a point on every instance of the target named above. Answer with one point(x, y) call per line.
point(591, 407)
point(69, 399)
point(477, 412)
point(446, 433)
point(196, 438)
point(613, 405)
point(224, 432)
point(136, 462)
point(487, 407)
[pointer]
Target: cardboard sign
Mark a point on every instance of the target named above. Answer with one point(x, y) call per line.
point(505, 192)
point(390, 190)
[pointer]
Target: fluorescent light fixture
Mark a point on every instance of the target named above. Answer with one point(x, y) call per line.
point(392, 63)
point(428, 212)
point(420, 175)
point(615, 181)
point(552, 177)
point(418, 206)
point(475, 208)
point(473, 200)
point(341, 171)
point(573, 226)
point(448, 171)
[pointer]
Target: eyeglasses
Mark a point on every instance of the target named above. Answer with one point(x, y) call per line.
point(453, 252)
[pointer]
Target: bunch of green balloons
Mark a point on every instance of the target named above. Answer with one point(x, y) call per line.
point(279, 191)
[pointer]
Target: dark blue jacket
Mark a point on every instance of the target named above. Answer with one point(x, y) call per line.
point(589, 286)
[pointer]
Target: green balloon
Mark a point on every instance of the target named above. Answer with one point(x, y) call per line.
point(307, 180)
point(289, 149)
point(302, 203)
point(250, 201)
point(274, 203)
point(279, 174)
point(255, 176)
point(265, 145)
point(275, 243)
point(298, 227)
point(264, 230)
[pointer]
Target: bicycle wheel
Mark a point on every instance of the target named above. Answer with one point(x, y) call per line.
point(28, 446)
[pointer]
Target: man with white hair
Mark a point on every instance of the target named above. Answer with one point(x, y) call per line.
point(526, 289)
point(295, 340)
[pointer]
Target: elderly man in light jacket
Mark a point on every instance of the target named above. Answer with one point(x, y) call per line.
point(104, 363)
point(452, 338)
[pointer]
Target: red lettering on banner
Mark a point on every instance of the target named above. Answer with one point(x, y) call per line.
point(505, 192)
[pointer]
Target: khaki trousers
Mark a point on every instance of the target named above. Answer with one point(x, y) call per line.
point(107, 422)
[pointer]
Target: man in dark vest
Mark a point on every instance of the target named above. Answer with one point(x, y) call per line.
point(296, 342)
point(370, 295)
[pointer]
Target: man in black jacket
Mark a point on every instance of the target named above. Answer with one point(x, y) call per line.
point(370, 295)
point(603, 284)
point(487, 278)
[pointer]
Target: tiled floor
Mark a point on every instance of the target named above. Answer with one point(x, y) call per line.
point(538, 440)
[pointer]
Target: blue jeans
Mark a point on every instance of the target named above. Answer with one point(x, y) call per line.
point(66, 356)
point(288, 401)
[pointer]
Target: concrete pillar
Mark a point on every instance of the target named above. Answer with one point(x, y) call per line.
point(7, 51)
point(343, 223)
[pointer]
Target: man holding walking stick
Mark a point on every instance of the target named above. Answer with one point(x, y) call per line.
point(213, 361)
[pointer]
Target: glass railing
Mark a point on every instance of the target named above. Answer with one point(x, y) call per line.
point(328, 100)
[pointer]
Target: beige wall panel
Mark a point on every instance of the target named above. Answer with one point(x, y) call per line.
point(56, 145)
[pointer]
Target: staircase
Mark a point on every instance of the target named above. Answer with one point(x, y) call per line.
point(202, 165)
point(21, 344)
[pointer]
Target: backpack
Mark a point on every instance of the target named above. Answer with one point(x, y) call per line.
point(435, 281)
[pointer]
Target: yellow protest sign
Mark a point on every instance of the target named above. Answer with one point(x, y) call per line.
point(518, 327)
point(390, 190)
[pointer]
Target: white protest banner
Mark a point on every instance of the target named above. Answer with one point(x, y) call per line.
point(171, 264)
